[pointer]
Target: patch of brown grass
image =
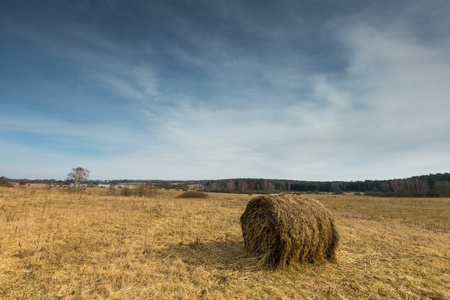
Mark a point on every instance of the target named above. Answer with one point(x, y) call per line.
point(193, 194)
point(55, 244)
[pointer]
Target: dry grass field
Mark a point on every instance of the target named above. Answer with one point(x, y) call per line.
point(57, 244)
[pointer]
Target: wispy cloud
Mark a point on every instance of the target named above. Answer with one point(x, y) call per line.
point(289, 91)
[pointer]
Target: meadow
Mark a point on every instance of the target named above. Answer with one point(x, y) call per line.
point(57, 244)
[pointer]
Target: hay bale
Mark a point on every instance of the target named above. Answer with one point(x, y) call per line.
point(284, 229)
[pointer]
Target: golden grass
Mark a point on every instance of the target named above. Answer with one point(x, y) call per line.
point(55, 244)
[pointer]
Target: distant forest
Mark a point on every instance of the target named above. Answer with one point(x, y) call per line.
point(432, 185)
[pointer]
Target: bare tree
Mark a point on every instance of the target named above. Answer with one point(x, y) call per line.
point(78, 176)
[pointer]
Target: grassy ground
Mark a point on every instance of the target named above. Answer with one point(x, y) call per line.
point(57, 244)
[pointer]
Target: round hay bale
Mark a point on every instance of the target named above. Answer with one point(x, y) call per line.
point(284, 229)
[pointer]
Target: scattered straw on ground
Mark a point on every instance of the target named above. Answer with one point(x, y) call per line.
point(60, 245)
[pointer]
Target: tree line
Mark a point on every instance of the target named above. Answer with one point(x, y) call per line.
point(432, 185)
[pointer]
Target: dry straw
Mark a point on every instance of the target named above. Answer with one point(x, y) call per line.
point(284, 229)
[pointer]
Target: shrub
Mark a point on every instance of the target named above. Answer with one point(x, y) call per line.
point(4, 182)
point(144, 190)
point(125, 192)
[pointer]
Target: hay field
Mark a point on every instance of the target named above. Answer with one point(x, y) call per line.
point(56, 244)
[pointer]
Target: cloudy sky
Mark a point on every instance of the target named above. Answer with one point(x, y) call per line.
point(307, 90)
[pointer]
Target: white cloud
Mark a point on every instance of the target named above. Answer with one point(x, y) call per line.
point(269, 109)
point(138, 84)
point(372, 121)
point(402, 79)
point(91, 136)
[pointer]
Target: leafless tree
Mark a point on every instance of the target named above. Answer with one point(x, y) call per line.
point(78, 176)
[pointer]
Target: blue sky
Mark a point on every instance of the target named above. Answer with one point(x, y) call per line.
point(307, 90)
